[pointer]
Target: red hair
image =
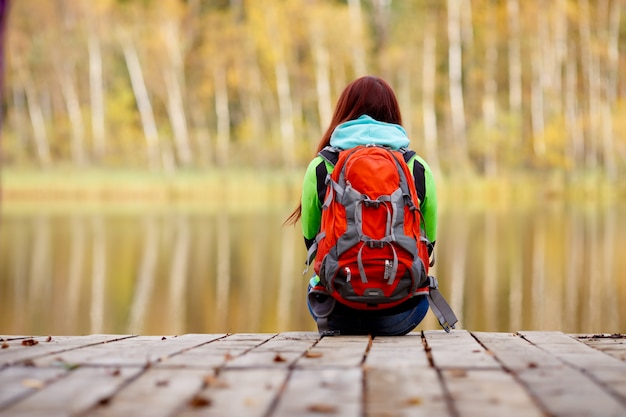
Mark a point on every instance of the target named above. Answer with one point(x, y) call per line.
point(368, 95)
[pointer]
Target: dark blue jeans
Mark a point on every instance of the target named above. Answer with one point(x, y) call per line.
point(395, 322)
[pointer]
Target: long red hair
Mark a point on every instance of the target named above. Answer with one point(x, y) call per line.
point(368, 95)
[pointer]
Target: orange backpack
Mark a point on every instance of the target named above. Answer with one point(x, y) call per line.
point(371, 252)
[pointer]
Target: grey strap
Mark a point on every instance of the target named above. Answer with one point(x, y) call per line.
point(440, 306)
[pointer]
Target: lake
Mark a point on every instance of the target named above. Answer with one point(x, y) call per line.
point(557, 266)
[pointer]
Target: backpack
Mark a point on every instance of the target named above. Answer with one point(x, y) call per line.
point(371, 252)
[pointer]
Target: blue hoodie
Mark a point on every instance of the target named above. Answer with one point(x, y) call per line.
point(364, 131)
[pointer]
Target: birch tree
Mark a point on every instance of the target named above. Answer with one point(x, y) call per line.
point(515, 57)
point(610, 87)
point(70, 95)
point(96, 96)
point(429, 82)
point(455, 73)
point(174, 83)
point(322, 72)
point(143, 103)
point(358, 38)
point(489, 102)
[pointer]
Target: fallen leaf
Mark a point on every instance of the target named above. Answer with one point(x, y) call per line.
point(28, 362)
point(162, 383)
point(279, 358)
point(29, 342)
point(49, 339)
point(212, 381)
point(532, 365)
point(310, 354)
point(322, 408)
point(32, 383)
point(458, 373)
point(164, 338)
point(5, 345)
point(228, 356)
point(116, 372)
point(198, 401)
point(413, 401)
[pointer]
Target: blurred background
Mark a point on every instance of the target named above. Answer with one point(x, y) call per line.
point(151, 151)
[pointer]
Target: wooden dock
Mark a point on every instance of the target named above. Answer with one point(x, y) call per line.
point(298, 374)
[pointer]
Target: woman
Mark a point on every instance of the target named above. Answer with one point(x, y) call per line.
point(367, 112)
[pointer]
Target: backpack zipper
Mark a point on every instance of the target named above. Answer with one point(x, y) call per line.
point(388, 268)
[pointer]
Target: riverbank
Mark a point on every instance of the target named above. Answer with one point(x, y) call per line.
point(275, 187)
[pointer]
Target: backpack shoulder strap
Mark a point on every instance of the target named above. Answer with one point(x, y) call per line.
point(330, 154)
point(407, 153)
point(418, 172)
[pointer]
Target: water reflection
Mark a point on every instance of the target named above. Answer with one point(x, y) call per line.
point(153, 272)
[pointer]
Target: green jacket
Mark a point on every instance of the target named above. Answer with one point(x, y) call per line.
point(363, 131)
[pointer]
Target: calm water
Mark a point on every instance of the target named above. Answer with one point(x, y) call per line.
point(555, 267)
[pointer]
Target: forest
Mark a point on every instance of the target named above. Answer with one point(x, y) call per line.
point(487, 87)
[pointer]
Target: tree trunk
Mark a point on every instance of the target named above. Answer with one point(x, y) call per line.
point(429, 84)
point(322, 74)
point(455, 71)
point(75, 115)
point(490, 95)
point(223, 114)
point(96, 86)
point(515, 59)
point(575, 133)
point(143, 104)
point(285, 105)
point(173, 76)
point(536, 100)
point(39, 127)
point(358, 38)
point(610, 165)
point(589, 83)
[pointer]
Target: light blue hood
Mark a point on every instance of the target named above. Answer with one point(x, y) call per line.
point(365, 131)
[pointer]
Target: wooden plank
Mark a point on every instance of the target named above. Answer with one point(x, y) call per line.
point(279, 352)
point(408, 391)
point(399, 380)
point(238, 392)
point(458, 349)
point(613, 380)
point(18, 382)
point(217, 352)
point(516, 353)
point(312, 392)
point(611, 344)
point(336, 351)
point(397, 352)
point(157, 392)
point(567, 392)
point(606, 370)
point(488, 393)
point(77, 392)
point(137, 351)
point(20, 350)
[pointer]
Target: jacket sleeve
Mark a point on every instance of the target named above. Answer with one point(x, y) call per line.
point(311, 204)
point(429, 205)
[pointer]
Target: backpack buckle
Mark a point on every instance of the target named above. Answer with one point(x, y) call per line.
point(375, 244)
point(371, 203)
